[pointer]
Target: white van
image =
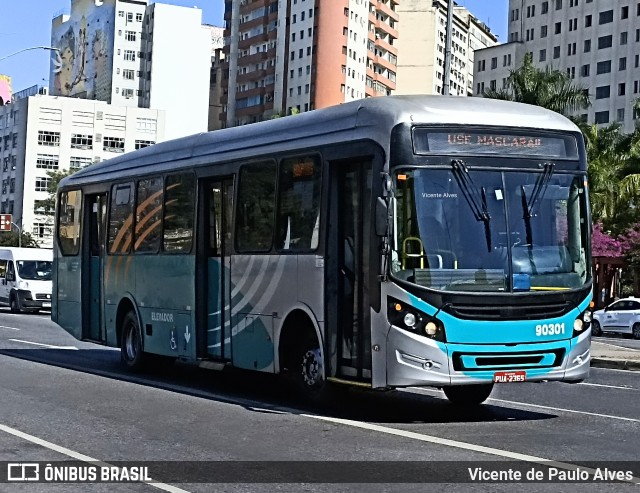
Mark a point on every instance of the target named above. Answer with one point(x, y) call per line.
point(25, 278)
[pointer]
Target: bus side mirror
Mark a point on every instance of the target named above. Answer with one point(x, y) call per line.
point(382, 217)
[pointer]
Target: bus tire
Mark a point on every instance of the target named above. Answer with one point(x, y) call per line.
point(14, 303)
point(131, 351)
point(308, 372)
point(468, 395)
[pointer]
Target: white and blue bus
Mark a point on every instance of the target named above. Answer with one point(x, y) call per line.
point(388, 242)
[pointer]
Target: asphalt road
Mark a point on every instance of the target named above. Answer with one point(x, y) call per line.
point(61, 399)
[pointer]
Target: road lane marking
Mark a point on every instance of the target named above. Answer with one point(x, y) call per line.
point(48, 346)
point(537, 406)
point(457, 444)
point(619, 347)
point(78, 456)
point(608, 386)
point(10, 328)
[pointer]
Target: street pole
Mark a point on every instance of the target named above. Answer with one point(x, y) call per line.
point(51, 48)
point(19, 234)
point(447, 51)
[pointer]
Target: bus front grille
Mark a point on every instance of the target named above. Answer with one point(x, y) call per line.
point(463, 361)
point(509, 312)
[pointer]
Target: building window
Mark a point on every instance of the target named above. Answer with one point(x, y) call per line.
point(603, 92)
point(138, 17)
point(602, 117)
point(130, 35)
point(556, 52)
point(588, 20)
point(113, 144)
point(587, 45)
point(603, 67)
point(45, 138)
point(605, 42)
point(128, 74)
point(558, 28)
point(47, 161)
point(622, 63)
point(42, 183)
point(605, 17)
point(79, 141)
point(622, 88)
point(140, 144)
point(77, 162)
point(127, 93)
point(146, 125)
point(620, 114)
point(623, 38)
point(558, 4)
point(543, 55)
point(545, 7)
point(42, 230)
point(585, 70)
point(494, 62)
point(543, 31)
point(624, 12)
point(130, 55)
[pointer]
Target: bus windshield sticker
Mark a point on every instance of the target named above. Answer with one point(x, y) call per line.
point(443, 141)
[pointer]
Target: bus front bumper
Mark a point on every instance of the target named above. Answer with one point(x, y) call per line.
point(413, 360)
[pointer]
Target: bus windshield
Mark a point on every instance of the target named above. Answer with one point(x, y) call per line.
point(34, 270)
point(470, 229)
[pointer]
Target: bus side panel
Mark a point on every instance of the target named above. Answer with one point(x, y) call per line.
point(67, 310)
point(165, 294)
point(263, 287)
point(119, 280)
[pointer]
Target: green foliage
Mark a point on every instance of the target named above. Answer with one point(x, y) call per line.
point(49, 204)
point(549, 88)
point(11, 239)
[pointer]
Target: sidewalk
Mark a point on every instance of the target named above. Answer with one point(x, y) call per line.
point(605, 355)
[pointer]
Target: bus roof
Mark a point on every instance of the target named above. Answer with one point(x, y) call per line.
point(371, 118)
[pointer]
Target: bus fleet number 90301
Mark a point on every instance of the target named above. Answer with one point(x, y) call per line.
point(549, 329)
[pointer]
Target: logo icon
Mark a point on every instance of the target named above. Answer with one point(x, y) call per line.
point(23, 471)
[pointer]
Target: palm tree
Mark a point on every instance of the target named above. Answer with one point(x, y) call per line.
point(550, 88)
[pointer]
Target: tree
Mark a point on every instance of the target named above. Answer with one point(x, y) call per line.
point(49, 204)
point(11, 239)
point(549, 88)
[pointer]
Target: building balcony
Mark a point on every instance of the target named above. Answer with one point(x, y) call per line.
point(387, 82)
point(248, 42)
point(383, 62)
point(386, 46)
point(258, 21)
point(250, 5)
point(386, 10)
point(251, 76)
point(256, 110)
point(382, 26)
point(255, 58)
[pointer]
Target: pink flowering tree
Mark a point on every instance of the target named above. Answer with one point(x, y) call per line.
point(605, 245)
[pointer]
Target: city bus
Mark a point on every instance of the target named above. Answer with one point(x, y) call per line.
point(389, 242)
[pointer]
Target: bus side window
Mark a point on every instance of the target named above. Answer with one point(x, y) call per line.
point(178, 213)
point(148, 215)
point(121, 219)
point(255, 207)
point(69, 214)
point(298, 204)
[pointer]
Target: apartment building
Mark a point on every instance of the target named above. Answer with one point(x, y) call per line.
point(130, 53)
point(422, 44)
point(296, 55)
point(40, 133)
point(597, 42)
point(215, 78)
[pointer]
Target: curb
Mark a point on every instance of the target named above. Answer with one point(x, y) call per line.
point(615, 363)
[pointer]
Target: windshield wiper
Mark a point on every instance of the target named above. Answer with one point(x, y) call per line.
point(476, 198)
point(539, 188)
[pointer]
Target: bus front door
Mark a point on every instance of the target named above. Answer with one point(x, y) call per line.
point(353, 203)
point(94, 238)
point(216, 288)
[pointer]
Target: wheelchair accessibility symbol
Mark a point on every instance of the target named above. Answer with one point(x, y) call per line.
point(172, 342)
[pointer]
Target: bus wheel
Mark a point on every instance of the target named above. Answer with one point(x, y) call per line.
point(131, 343)
point(595, 328)
point(468, 395)
point(14, 304)
point(308, 372)
point(636, 331)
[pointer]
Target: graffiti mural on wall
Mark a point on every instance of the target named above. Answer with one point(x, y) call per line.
point(85, 42)
point(5, 89)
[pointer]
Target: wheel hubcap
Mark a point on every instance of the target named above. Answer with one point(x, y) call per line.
point(312, 367)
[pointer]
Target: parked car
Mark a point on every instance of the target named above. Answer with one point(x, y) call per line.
point(621, 316)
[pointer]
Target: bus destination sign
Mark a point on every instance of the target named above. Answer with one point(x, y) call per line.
point(445, 141)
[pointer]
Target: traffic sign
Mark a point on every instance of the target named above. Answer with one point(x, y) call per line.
point(5, 222)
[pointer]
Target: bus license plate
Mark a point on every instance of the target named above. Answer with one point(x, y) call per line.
point(509, 376)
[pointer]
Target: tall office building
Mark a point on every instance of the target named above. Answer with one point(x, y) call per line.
point(597, 42)
point(40, 133)
point(421, 47)
point(129, 53)
point(283, 57)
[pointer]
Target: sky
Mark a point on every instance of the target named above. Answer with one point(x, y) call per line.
point(27, 23)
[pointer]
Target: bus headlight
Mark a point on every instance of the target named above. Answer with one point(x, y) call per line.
point(582, 323)
point(409, 318)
